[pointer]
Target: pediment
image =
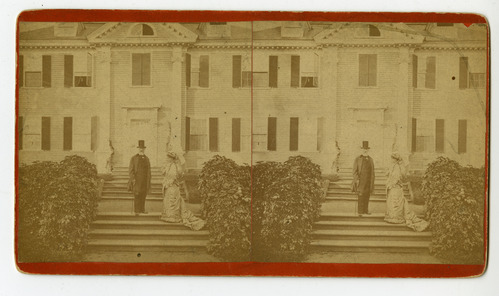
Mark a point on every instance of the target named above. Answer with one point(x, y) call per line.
point(367, 33)
point(131, 33)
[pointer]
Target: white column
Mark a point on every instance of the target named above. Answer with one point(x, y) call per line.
point(102, 81)
point(403, 116)
point(177, 119)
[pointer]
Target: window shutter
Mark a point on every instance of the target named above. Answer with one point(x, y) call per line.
point(68, 71)
point(20, 127)
point(204, 71)
point(273, 71)
point(213, 134)
point(45, 133)
point(463, 72)
point(363, 70)
point(136, 69)
point(46, 71)
point(462, 134)
point(236, 134)
point(293, 134)
point(146, 69)
point(439, 135)
point(187, 133)
point(236, 71)
point(20, 71)
point(373, 69)
point(414, 71)
point(430, 72)
point(93, 133)
point(68, 133)
point(187, 70)
point(295, 71)
point(414, 135)
point(271, 134)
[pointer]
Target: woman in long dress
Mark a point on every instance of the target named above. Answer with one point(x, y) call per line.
point(174, 209)
point(397, 207)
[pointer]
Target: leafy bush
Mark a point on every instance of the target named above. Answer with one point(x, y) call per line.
point(225, 192)
point(455, 209)
point(286, 200)
point(56, 202)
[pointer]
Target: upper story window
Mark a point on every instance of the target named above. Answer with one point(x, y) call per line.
point(142, 30)
point(197, 70)
point(304, 70)
point(78, 70)
point(35, 71)
point(431, 71)
point(141, 69)
point(374, 31)
point(368, 69)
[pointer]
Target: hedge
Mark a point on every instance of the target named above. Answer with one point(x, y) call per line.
point(287, 199)
point(56, 202)
point(454, 198)
point(225, 193)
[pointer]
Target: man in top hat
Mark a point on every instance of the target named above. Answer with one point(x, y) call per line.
point(140, 178)
point(363, 179)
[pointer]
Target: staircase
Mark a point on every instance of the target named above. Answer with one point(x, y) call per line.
point(340, 229)
point(117, 229)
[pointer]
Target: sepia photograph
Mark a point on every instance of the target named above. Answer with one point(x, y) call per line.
point(299, 141)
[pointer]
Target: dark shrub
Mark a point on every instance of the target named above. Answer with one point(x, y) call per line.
point(286, 200)
point(455, 209)
point(57, 202)
point(225, 193)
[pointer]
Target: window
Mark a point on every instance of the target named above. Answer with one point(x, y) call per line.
point(141, 69)
point(439, 135)
point(196, 137)
point(213, 134)
point(260, 129)
point(462, 135)
point(293, 134)
point(367, 69)
point(236, 134)
point(93, 133)
point(38, 75)
point(45, 133)
point(304, 70)
point(414, 71)
point(272, 134)
point(199, 74)
point(142, 30)
point(430, 76)
point(68, 133)
point(374, 31)
point(20, 127)
point(477, 80)
point(20, 71)
point(422, 135)
point(264, 71)
point(83, 70)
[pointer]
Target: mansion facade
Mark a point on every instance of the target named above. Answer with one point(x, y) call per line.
point(253, 91)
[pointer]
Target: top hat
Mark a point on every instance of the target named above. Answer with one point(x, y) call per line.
point(141, 144)
point(365, 145)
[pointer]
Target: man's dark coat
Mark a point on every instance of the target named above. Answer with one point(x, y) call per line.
point(357, 168)
point(132, 171)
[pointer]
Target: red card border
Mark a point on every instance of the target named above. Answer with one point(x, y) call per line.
point(255, 268)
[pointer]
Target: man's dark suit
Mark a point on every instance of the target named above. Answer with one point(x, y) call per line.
point(363, 181)
point(140, 180)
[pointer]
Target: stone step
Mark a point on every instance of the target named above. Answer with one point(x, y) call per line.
point(112, 193)
point(359, 225)
point(124, 203)
point(367, 235)
point(383, 246)
point(376, 193)
point(375, 217)
point(118, 245)
point(137, 224)
point(148, 234)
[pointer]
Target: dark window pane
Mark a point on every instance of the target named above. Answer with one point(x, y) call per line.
point(271, 134)
point(147, 30)
point(293, 134)
point(45, 133)
point(68, 133)
point(295, 71)
point(68, 71)
point(213, 134)
point(236, 134)
point(46, 71)
point(439, 135)
point(373, 31)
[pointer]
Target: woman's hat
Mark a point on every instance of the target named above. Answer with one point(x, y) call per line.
point(141, 144)
point(365, 145)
